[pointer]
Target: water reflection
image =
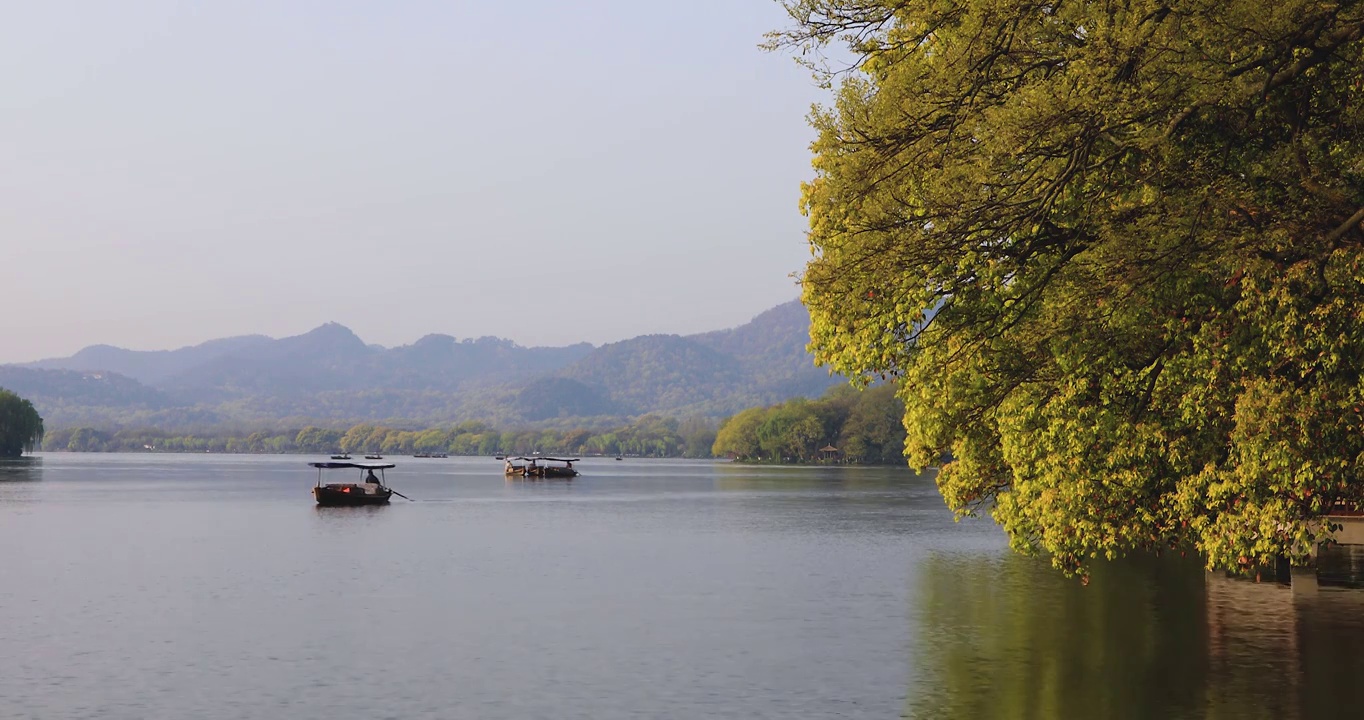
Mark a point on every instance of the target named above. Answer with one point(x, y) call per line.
point(18, 480)
point(21, 469)
point(1007, 637)
point(739, 476)
point(1341, 566)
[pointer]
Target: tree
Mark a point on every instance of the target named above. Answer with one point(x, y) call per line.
point(432, 440)
point(574, 440)
point(315, 439)
point(791, 431)
point(605, 443)
point(397, 441)
point(21, 428)
point(355, 438)
point(698, 436)
point(377, 439)
point(488, 443)
point(738, 435)
point(1111, 251)
point(874, 432)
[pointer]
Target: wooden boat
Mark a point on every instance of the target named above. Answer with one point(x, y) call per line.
point(369, 491)
point(343, 456)
point(534, 467)
point(556, 471)
point(375, 456)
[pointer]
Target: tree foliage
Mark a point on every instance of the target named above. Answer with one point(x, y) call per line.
point(863, 425)
point(1136, 229)
point(21, 429)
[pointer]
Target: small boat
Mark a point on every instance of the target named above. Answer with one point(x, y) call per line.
point(376, 456)
point(369, 491)
point(430, 455)
point(618, 457)
point(341, 457)
point(535, 467)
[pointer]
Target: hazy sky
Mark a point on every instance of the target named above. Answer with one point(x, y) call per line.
point(550, 172)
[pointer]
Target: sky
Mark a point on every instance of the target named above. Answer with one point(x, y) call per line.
point(548, 172)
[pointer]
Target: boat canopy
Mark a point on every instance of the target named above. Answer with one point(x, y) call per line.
point(362, 466)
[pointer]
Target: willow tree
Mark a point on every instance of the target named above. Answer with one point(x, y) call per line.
point(1136, 228)
point(21, 429)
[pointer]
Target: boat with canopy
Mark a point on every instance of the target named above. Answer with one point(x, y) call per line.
point(371, 489)
point(538, 467)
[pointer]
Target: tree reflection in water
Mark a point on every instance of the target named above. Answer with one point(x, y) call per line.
point(18, 477)
point(1008, 637)
point(21, 469)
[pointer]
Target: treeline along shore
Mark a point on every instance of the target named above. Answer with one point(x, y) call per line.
point(862, 427)
point(649, 436)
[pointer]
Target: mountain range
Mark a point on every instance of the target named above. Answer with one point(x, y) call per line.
point(331, 376)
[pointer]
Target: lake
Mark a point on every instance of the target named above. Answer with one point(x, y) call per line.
point(211, 587)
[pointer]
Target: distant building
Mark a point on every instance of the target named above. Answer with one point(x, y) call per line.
point(829, 452)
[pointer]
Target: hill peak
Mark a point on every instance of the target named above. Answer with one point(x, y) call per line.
point(326, 338)
point(332, 328)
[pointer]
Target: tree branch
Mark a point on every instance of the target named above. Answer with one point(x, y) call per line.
point(1319, 54)
point(1345, 227)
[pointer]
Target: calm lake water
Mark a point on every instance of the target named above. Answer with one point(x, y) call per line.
point(173, 586)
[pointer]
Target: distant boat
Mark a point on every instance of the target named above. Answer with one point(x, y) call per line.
point(341, 457)
point(374, 457)
point(535, 467)
point(618, 457)
point(369, 491)
point(430, 455)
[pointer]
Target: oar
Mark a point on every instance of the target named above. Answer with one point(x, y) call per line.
point(395, 492)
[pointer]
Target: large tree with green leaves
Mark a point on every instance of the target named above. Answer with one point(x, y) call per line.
point(21, 429)
point(1139, 224)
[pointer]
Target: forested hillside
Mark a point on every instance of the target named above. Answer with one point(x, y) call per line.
point(659, 372)
point(65, 397)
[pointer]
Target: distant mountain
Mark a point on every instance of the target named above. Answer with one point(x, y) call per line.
point(329, 357)
point(557, 397)
point(771, 348)
point(658, 373)
point(444, 363)
point(329, 374)
point(774, 341)
point(150, 366)
point(68, 397)
point(90, 388)
point(717, 373)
